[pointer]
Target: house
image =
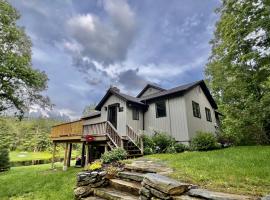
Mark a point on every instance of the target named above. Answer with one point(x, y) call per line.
point(120, 119)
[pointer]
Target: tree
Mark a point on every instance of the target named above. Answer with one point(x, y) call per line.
point(20, 84)
point(5, 136)
point(238, 71)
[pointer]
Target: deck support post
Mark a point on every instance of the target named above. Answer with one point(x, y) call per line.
point(65, 158)
point(53, 156)
point(69, 154)
point(90, 151)
point(106, 148)
point(83, 155)
point(87, 155)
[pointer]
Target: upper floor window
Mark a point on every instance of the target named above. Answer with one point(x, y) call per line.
point(135, 114)
point(196, 109)
point(160, 109)
point(208, 114)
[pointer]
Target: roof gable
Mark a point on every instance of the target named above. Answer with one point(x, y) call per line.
point(148, 86)
point(125, 97)
point(180, 90)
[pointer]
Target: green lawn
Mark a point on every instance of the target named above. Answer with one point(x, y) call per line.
point(243, 170)
point(25, 156)
point(38, 182)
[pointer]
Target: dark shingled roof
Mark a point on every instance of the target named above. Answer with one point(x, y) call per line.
point(123, 96)
point(148, 86)
point(181, 90)
point(92, 115)
point(162, 94)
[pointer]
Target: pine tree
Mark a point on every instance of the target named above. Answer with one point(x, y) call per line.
point(239, 69)
point(4, 144)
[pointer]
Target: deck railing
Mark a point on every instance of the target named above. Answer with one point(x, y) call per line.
point(135, 138)
point(67, 129)
point(104, 128)
point(95, 129)
point(113, 135)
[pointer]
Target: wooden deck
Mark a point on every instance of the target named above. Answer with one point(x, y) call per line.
point(67, 131)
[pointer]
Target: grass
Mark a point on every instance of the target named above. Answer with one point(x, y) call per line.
point(26, 156)
point(38, 182)
point(242, 170)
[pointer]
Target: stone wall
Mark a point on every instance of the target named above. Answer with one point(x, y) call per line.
point(86, 181)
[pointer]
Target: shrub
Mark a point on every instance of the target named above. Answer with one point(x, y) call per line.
point(179, 147)
point(204, 141)
point(148, 144)
point(162, 141)
point(94, 166)
point(4, 159)
point(114, 155)
point(111, 171)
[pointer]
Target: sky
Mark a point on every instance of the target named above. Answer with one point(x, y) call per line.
point(88, 45)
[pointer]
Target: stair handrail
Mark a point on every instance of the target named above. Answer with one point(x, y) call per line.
point(135, 138)
point(113, 135)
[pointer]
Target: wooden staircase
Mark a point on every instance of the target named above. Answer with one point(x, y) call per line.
point(132, 142)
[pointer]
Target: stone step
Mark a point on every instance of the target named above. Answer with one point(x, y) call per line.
point(133, 176)
point(206, 194)
point(92, 198)
point(139, 169)
point(113, 194)
point(126, 186)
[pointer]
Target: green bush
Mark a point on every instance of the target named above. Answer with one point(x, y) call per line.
point(204, 141)
point(180, 147)
point(114, 155)
point(4, 159)
point(162, 141)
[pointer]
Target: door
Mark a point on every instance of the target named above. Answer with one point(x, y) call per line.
point(112, 115)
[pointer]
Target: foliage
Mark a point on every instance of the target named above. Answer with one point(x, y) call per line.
point(114, 155)
point(161, 143)
point(242, 170)
point(111, 171)
point(4, 159)
point(20, 84)
point(238, 71)
point(27, 134)
point(204, 141)
point(94, 166)
point(38, 182)
point(4, 145)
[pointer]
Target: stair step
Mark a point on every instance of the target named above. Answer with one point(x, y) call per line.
point(113, 194)
point(134, 176)
point(127, 186)
point(92, 198)
point(139, 169)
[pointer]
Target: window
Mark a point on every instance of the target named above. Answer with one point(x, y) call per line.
point(160, 109)
point(135, 114)
point(208, 114)
point(196, 109)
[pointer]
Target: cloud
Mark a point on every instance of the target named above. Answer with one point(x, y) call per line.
point(131, 80)
point(104, 40)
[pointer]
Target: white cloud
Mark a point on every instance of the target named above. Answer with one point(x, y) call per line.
point(106, 41)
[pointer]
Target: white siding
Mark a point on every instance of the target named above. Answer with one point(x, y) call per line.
point(150, 91)
point(198, 124)
point(121, 116)
point(136, 125)
point(175, 122)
